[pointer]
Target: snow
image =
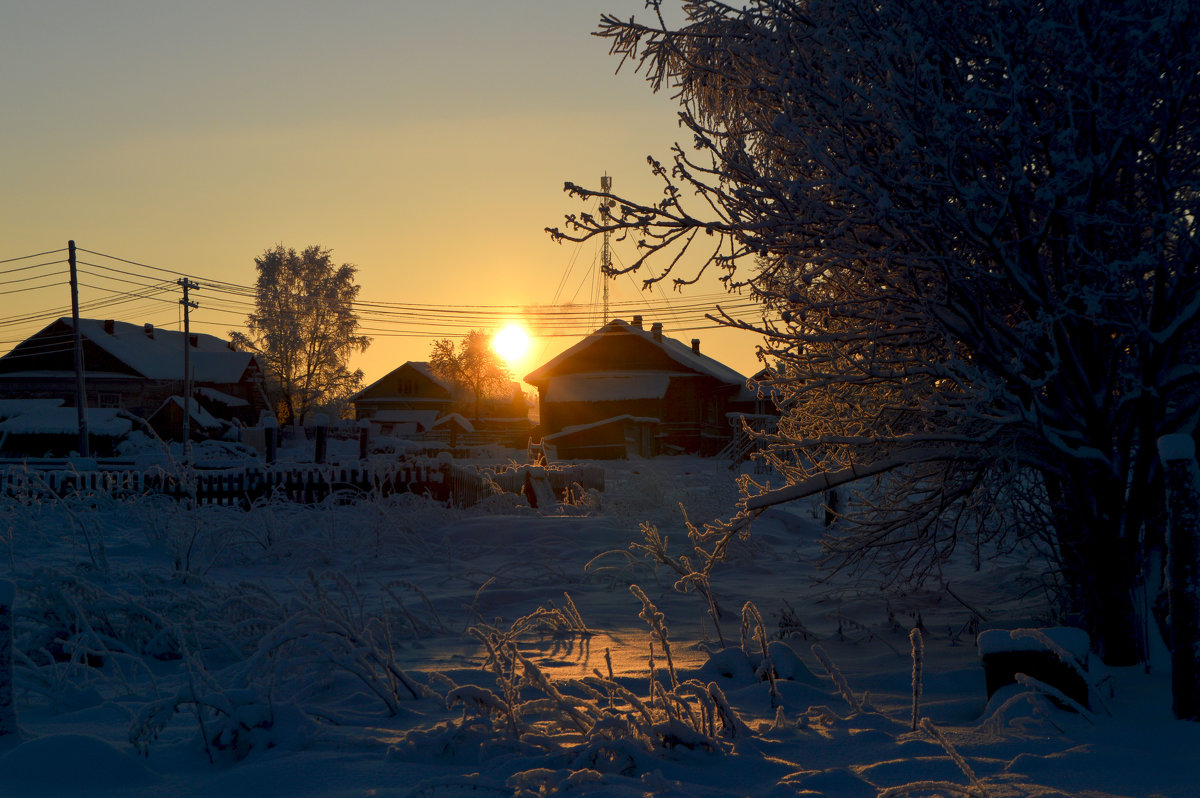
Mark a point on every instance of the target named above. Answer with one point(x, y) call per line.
point(422, 419)
point(391, 646)
point(608, 387)
point(455, 418)
point(1176, 447)
point(65, 421)
point(577, 428)
point(17, 407)
point(1073, 641)
point(221, 397)
point(198, 414)
point(160, 357)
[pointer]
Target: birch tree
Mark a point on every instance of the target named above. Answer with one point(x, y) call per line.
point(971, 227)
point(304, 329)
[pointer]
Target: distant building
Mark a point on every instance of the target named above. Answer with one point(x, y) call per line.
point(625, 390)
point(406, 400)
point(137, 369)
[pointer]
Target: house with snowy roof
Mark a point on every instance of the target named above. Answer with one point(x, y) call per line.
point(625, 390)
point(406, 400)
point(137, 369)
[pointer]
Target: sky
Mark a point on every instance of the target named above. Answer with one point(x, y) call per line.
point(425, 143)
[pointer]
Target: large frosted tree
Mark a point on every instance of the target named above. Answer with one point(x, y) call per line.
point(972, 228)
point(474, 369)
point(304, 329)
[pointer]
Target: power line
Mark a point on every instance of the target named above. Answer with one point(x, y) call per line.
point(35, 255)
point(150, 285)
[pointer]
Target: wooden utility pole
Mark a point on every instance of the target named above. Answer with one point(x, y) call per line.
point(80, 391)
point(187, 364)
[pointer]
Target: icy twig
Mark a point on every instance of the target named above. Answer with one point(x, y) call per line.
point(918, 668)
point(958, 759)
point(838, 679)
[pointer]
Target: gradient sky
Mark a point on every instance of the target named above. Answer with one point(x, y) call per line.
point(424, 142)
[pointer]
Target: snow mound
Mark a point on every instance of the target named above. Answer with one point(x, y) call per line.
point(39, 767)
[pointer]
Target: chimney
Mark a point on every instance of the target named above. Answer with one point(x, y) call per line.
point(656, 330)
point(149, 330)
point(637, 322)
point(109, 326)
point(696, 345)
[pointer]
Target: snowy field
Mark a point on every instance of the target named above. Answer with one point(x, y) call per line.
point(400, 648)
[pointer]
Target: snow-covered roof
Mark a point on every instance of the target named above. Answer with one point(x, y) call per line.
point(456, 418)
point(678, 351)
point(65, 421)
point(421, 367)
point(222, 398)
point(427, 370)
point(159, 356)
point(16, 407)
point(608, 387)
point(199, 415)
point(423, 418)
point(567, 431)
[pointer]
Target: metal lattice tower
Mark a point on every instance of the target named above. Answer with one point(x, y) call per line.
point(606, 252)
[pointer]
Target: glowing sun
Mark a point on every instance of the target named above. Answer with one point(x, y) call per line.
point(511, 343)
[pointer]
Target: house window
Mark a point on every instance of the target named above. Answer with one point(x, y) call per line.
point(407, 388)
point(107, 400)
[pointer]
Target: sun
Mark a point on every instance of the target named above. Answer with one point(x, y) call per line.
point(511, 343)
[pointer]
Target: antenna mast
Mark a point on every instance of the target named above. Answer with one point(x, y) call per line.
point(606, 253)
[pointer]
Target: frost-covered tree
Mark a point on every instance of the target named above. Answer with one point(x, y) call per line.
point(304, 329)
point(972, 228)
point(473, 368)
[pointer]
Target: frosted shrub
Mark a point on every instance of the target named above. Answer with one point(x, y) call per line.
point(596, 723)
point(68, 625)
point(232, 722)
point(333, 627)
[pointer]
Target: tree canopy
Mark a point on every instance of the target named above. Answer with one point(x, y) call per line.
point(473, 368)
point(304, 329)
point(972, 229)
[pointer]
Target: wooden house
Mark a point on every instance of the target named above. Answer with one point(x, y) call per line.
point(406, 400)
point(626, 390)
point(134, 368)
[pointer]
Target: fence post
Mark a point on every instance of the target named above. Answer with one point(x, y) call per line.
point(364, 435)
point(271, 437)
point(1178, 454)
point(322, 424)
point(8, 710)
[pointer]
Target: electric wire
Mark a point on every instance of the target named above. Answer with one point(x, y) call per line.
point(376, 318)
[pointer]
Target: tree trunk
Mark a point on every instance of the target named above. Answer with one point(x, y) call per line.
point(1178, 454)
point(1099, 563)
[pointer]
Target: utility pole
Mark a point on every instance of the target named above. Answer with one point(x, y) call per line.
point(606, 252)
point(80, 392)
point(185, 283)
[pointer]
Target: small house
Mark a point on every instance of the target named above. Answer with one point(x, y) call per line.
point(405, 401)
point(627, 390)
point(134, 368)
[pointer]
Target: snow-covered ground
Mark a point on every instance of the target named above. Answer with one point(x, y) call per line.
point(400, 648)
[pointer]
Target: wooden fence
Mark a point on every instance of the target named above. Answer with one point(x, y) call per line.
point(233, 486)
point(307, 484)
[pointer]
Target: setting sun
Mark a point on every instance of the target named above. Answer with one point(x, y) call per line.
point(511, 343)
